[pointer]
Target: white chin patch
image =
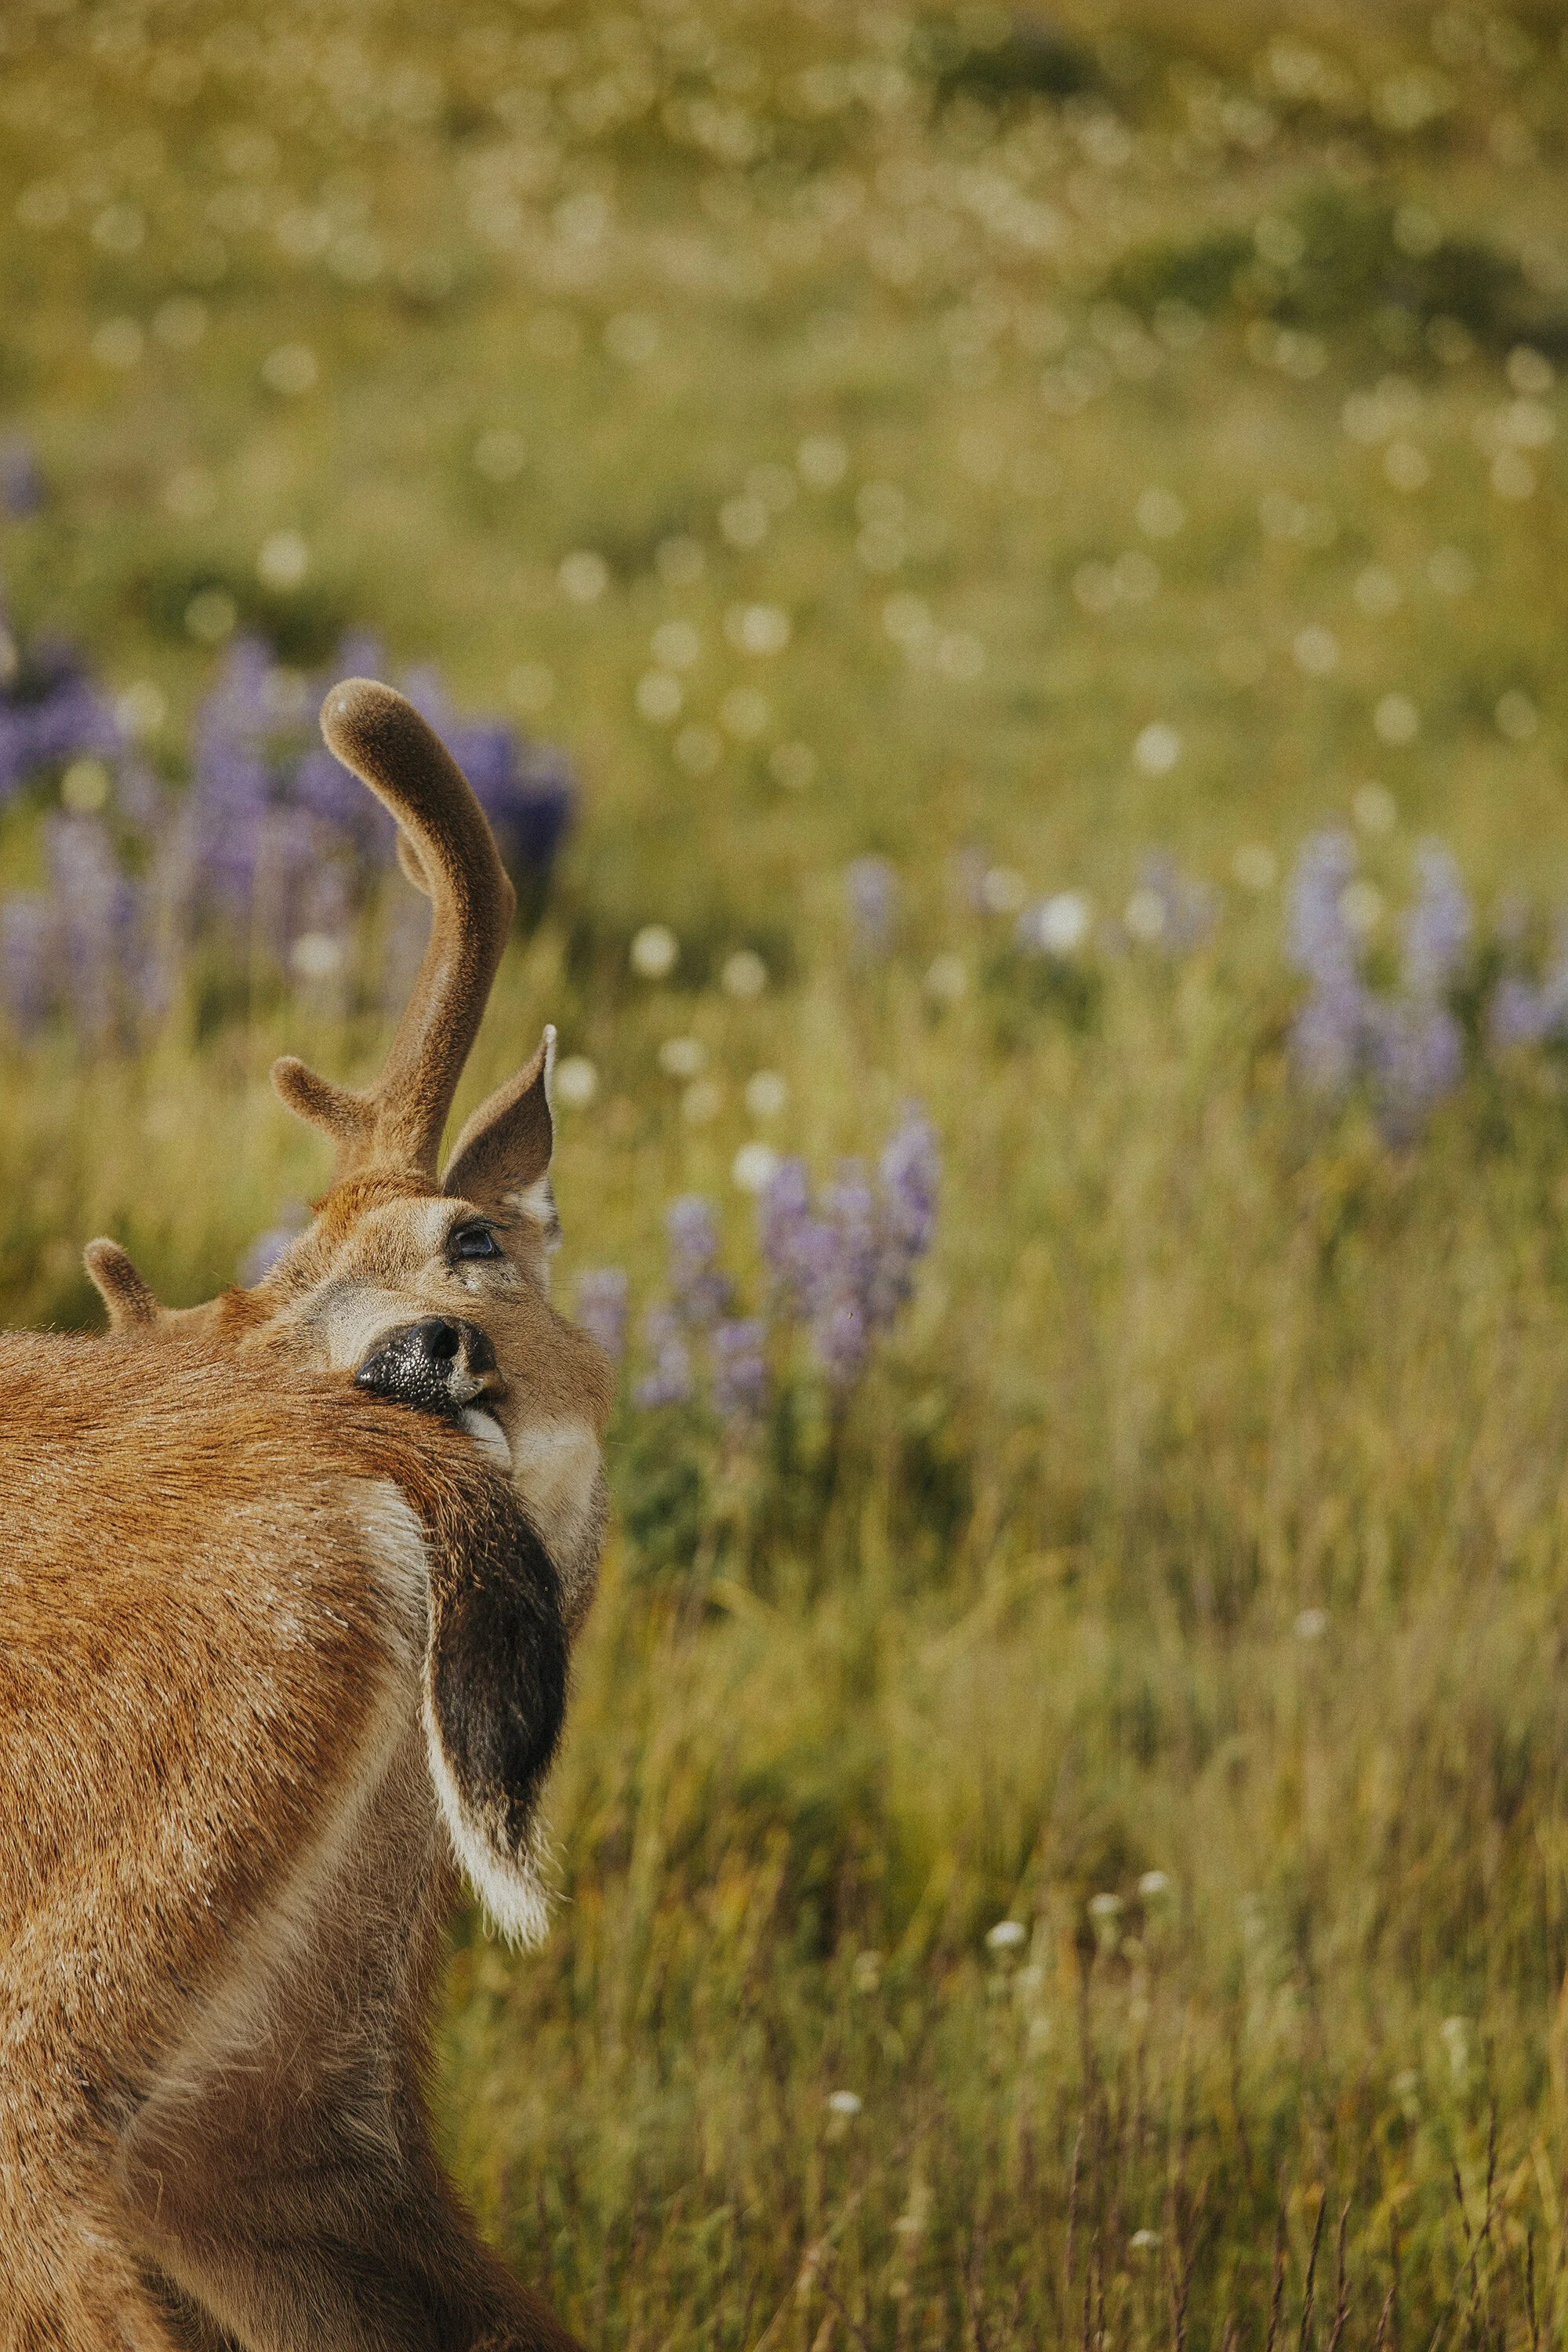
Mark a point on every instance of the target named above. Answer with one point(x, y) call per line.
point(487, 1435)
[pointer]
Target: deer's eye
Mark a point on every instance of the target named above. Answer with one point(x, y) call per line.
point(473, 1241)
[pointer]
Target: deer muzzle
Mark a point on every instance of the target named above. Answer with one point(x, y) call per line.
point(440, 1365)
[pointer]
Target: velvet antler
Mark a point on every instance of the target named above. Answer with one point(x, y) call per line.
point(131, 1305)
point(446, 849)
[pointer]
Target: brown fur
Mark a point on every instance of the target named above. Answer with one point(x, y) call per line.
point(214, 2047)
point(272, 1651)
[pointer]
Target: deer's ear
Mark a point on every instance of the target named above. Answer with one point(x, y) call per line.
point(501, 1159)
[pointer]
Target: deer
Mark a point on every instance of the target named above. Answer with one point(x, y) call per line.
point(288, 1585)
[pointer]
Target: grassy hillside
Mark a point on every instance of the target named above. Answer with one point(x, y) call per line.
point(1070, 1810)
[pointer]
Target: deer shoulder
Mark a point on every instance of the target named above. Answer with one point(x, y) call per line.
point(310, 1626)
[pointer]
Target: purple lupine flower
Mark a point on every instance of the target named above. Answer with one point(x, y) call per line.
point(21, 479)
point(270, 808)
point(526, 790)
point(846, 1266)
point(1319, 941)
point(273, 839)
point(700, 1289)
point(790, 1237)
point(286, 848)
point(670, 1381)
point(740, 1362)
point(1521, 1014)
point(871, 896)
point(1328, 1037)
point(1414, 1046)
point(361, 654)
point(1438, 928)
point(800, 1249)
point(1529, 1013)
point(851, 1211)
point(324, 787)
point(28, 958)
point(601, 1309)
point(1526, 1012)
point(95, 913)
point(1409, 1048)
point(908, 1171)
point(138, 794)
point(262, 839)
point(51, 712)
point(841, 1339)
point(170, 893)
point(841, 1266)
point(270, 805)
point(231, 777)
point(843, 1308)
point(1416, 1055)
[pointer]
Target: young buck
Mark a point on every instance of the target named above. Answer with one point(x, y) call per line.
point(275, 1653)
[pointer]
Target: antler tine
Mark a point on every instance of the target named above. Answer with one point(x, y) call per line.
point(131, 1305)
point(446, 847)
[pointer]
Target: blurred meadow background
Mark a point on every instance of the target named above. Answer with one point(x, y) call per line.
point(1000, 576)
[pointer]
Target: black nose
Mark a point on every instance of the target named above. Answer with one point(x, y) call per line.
point(436, 1366)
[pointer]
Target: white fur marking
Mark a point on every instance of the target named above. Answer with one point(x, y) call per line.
point(356, 1318)
point(397, 1545)
point(236, 2020)
point(537, 1202)
point(489, 1436)
point(434, 1220)
point(509, 1886)
point(555, 1469)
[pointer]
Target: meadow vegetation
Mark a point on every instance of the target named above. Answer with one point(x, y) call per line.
point(1064, 1834)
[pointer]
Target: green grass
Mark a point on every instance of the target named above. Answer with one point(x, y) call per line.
point(1194, 1359)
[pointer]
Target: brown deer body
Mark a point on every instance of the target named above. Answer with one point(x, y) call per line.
point(276, 1653)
